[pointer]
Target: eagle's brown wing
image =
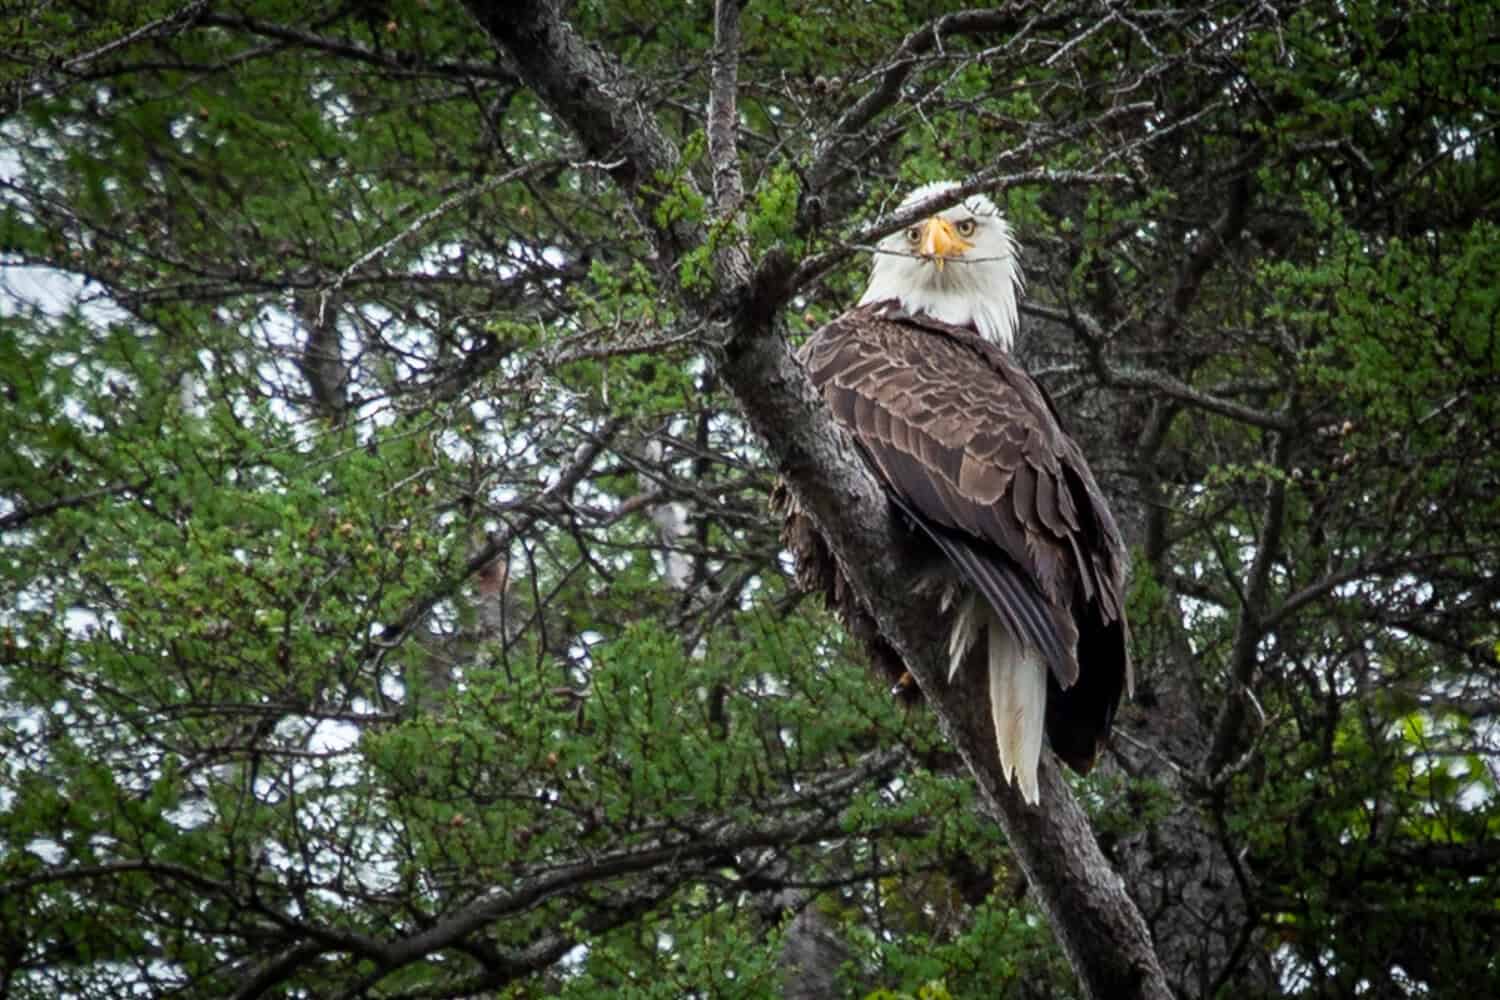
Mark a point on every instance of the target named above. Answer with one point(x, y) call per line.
point(971, 448)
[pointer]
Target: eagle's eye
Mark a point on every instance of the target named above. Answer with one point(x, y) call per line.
point(964, 228)
point(914, 235)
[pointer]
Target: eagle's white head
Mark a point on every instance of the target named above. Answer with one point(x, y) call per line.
point(958, 266)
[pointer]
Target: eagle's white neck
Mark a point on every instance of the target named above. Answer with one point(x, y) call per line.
point(950, 297)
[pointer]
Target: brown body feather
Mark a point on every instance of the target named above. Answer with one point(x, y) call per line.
point(971, 448)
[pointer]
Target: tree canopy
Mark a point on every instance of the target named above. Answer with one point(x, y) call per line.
point(392, 392)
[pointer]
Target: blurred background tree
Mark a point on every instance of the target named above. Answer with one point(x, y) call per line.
point(391, 603)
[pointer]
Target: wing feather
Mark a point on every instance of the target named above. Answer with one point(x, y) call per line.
point(1012, 595)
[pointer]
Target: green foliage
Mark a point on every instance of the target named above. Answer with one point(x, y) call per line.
point(348, 403)
point(774, 220)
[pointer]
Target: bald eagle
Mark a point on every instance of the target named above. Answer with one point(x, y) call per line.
point(970, 449)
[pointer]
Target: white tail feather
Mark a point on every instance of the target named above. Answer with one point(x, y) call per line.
point(966, 625)
point(1018, 700)
point(1018, 691)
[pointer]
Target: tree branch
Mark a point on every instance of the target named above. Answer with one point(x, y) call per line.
point(732, 259)
point(352, 51)
point(497, 544)
point(1207, 249)
point(599, 99)
point(1250, 627)
point(1158, 383)
point(887, 90)
point(17, 518)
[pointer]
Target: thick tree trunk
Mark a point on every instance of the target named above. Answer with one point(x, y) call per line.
point(811, 957)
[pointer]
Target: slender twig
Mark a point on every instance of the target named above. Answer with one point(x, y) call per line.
point(440, 209)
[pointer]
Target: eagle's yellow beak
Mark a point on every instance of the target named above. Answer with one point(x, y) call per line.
point(940, 241)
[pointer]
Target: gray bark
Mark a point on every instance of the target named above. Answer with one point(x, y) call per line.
point(811, 957)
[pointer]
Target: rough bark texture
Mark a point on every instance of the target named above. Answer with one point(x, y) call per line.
point(812, 956)
point(594, 95)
